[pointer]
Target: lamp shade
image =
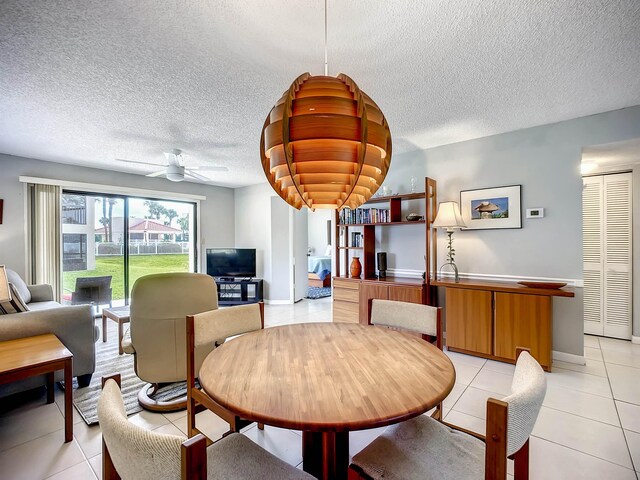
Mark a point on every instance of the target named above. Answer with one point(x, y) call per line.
point(448, 216)
point(5, 293)
point(325, 144)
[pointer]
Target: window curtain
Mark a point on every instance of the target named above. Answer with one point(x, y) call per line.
point(47, 236)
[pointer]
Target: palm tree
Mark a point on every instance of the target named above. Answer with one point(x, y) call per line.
point(170, 214)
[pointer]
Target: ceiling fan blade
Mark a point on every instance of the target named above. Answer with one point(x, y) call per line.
point(140, 163)
point(210, 168)
point(195, 175)
point(156, 174)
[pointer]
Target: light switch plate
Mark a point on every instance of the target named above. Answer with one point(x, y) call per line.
point(535, 212)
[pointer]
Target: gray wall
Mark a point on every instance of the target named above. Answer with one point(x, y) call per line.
point(217, 211)
point(545, 160)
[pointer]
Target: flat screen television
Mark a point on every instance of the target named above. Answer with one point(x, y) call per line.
point(231, 262)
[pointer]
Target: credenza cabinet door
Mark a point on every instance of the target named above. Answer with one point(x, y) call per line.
point(469, 320)
point(523, 321)
point(406, 294)
point(369, 291)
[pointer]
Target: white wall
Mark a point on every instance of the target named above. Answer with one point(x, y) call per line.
point(545, 160)
point(318, 231)
point(217, 211)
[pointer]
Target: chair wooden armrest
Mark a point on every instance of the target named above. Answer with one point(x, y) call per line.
point(194, 458)
point(464, 430)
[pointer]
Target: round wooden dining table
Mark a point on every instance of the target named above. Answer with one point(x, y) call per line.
point(327, 379)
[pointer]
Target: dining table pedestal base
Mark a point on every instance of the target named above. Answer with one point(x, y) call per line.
point(325, 455)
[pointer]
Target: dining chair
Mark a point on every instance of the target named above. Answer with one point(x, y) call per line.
point(209, 328)
point(131, 452)
point(424, 448)
point(413, 317)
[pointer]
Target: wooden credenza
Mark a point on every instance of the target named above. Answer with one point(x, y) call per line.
point(351, 295)
point(490, 319)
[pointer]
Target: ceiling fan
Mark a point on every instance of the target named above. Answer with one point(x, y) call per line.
point(176, 171)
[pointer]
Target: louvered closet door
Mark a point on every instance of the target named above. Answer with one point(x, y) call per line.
point(617, 258)
point(593, 255)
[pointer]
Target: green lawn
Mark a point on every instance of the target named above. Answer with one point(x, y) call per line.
point(139, 265)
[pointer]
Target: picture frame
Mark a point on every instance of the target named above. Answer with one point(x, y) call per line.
point(492, 208)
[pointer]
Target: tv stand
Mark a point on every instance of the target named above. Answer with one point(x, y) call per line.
point(239, 292)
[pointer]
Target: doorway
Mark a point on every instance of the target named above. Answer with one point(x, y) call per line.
point(610, 174)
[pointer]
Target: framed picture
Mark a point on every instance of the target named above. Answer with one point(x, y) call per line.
point(489, 208)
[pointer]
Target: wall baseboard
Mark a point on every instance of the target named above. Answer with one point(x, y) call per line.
point(278, 302)
point(635, 339)
point(569, 358)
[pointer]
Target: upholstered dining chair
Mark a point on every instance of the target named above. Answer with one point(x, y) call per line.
point(426, 449)
point(156, 336)
point(214, 328)
point(412, 317)
point(130, 452)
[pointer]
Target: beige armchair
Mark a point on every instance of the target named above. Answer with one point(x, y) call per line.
point(157, 332)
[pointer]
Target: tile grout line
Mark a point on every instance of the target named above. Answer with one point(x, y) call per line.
point(618, 414)
point(465, 388)
point(584, 453)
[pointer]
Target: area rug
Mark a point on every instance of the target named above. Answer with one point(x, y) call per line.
point(318, 292)
point(109, 362)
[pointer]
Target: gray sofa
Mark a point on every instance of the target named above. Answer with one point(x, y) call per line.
point(73, 325)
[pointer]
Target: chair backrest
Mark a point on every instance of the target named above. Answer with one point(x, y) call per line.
point(95, 290)
point(528, 388)
point(136, 453)
point(159, 306)
point(415, 317)
point(218, 325)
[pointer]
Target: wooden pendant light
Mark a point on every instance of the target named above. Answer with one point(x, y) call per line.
point(325, 144)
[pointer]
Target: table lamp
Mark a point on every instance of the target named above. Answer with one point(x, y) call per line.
point(449, 217)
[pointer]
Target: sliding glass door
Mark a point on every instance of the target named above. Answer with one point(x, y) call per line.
point(93, 254)
point(110, 241)
point(161, 237)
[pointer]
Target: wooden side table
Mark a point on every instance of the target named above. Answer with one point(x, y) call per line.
point(30, 356)
point(121, 315)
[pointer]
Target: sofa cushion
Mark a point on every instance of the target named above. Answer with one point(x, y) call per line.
point(21, 287)
point(15, 305)
point(43, 305)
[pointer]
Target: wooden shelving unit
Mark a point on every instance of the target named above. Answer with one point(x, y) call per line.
point(351, 296)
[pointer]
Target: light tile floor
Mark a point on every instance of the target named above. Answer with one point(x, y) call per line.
point(589, 426)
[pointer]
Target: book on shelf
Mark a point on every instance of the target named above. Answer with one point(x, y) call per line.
point(350, 216)
point(356, 239)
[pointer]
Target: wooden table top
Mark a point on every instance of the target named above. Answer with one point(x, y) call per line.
point(117, 313)
point(327, 376)
point(506, 287)
point(31, 351)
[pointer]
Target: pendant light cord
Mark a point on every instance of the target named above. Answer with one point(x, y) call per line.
point(326, 57)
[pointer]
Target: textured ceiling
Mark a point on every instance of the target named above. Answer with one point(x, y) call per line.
point(85, 82)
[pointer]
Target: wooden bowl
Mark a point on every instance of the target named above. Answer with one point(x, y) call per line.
point(553, 285)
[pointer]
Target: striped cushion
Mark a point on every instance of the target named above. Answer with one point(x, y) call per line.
point(15, 305)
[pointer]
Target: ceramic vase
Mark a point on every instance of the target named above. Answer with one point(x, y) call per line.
point(356, 267)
